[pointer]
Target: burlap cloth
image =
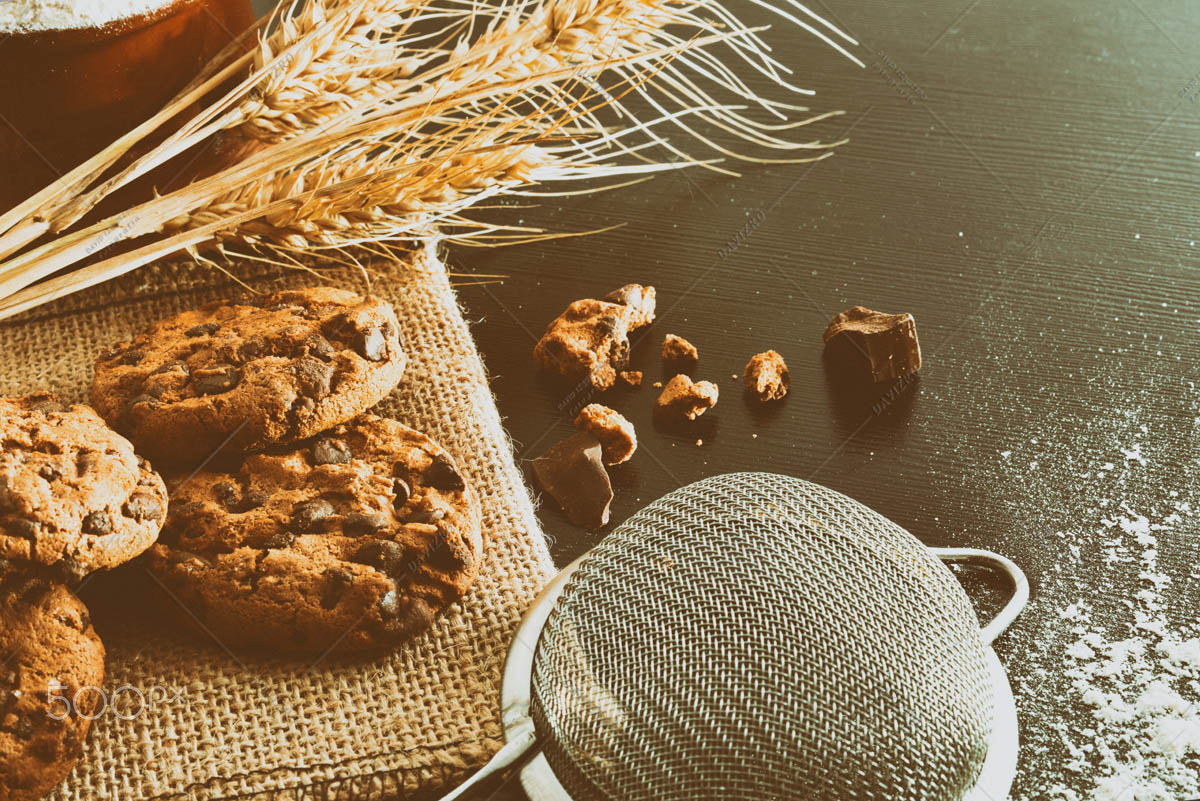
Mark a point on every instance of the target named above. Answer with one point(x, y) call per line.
point(401, 725)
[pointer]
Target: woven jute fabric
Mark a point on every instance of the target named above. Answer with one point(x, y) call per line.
point(227, 725)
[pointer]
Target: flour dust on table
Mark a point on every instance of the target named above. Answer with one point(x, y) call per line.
point(1116, 673)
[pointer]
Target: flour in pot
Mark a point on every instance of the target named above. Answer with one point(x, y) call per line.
point(27, 16)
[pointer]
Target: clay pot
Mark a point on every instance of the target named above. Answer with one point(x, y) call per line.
point(67, 94)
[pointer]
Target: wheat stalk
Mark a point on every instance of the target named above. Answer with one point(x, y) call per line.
point(384, 121)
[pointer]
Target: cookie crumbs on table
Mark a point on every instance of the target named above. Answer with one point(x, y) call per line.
point(679, 353)
point(618, 439)
point(766, 376)
point(684, 398)
point(632, 377)
point(590, 339)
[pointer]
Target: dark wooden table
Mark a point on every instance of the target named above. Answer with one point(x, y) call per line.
point(1022, 178)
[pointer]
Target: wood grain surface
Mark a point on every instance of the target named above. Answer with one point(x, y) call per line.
point(1022, 178)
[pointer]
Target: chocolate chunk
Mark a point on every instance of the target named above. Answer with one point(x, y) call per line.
point(882, 346)
point(215, 380)
point(308, 517)
point(337, 581)
point(427, 516)
point(389, 605)
point(49, 473)
point(766, 375)
point(679, 353)
point(24, 528)
point(24, 728)
point(172, 367)
point(227, 494)
point(443, 476)
point(99, 523)
point(314, 377)
point(573, 473)
point(372, 344)
point(252, 500)
point(320, 347)
point(328, 450)
point(383, 555)
point(203, 329)
point(403, 492)
point(443, 557)
point(131, 357)
point(142, 506)
point(684, 398)
point(149, 400)
point(359, 523)
point(280, 539)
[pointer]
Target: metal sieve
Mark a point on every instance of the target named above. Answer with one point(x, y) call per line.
point(755, 636)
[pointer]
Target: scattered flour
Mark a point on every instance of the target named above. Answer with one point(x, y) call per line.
point(25, 16)
point(1128, 715)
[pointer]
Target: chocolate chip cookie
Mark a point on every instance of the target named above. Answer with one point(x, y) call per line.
point(350, 540)
point(51, 671)
point(73, 494)
point(242, 376)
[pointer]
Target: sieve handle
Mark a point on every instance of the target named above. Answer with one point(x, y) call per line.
point(1020, 596)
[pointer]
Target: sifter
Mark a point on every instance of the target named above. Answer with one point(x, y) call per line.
point(756, 636)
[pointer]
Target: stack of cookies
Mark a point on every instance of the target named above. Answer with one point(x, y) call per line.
point(295, 521)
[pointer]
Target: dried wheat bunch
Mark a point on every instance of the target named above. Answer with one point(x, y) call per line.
point(357, 123)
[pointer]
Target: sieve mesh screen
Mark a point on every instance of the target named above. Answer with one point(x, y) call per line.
point(754, 636)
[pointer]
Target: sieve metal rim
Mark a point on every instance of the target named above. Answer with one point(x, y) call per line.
point(538, 778)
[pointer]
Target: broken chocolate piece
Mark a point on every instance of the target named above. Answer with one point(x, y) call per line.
point(590, 339)
point(573, 473)
point(679, 353)
point(766, 375)
point(684, 398)
point(883, 345)
point(618, 440)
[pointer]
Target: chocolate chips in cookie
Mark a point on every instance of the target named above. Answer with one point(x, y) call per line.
point(245, 376)
point(74, 496)
point(590, 340)
point(51, 667)
point(351, 540)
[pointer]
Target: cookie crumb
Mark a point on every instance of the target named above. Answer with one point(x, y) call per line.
point(618, 440)
point(699, 442)
point(767, 376)
point(657, 385)
point(590, 339)
point(632, 377)
point(678, 352)
point(683, 397)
